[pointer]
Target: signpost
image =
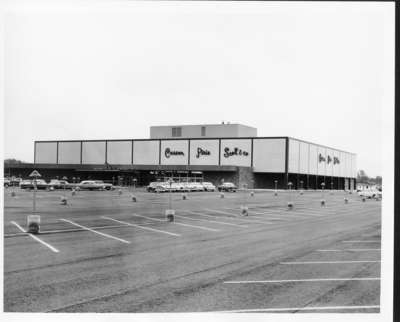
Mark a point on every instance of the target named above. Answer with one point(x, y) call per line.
point(244, 208)
point(33, 220)
point(290, 203)
point(64, 198)
point(323, 194)
point(170, 213)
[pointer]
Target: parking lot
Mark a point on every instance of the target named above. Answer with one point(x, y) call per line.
point(104, 253)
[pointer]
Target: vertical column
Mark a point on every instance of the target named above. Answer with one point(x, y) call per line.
point(286, 163)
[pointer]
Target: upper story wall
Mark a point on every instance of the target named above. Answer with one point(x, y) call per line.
point(314, 159)
point(202, 131)
point(262, 154)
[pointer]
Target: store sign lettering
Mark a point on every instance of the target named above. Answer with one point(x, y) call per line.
point(236, 151)
point(201, 152)
point(169, 152)
point(323, 159)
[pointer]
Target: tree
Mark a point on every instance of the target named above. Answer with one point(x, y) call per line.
point(362, 177)
point(12, 161)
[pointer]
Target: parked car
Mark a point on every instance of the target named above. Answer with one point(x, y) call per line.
point(107, 186)
point(152, 186)
point(28, 184)
point(197, 186)
point(7, 182)
point(162, 187)
point(59, 184)
point(228, 187)
point(370, 193)
point(208, 186)
point(91, 185)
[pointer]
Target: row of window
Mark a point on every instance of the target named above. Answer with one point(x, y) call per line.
point(177, 131)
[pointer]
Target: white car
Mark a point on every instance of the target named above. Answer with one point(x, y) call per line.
point(197, 186)
point(370, 194)
point(208, 186)
point(107, 186)
point(91, 185)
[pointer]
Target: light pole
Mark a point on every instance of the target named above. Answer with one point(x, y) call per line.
point(244, 208)
point(290, 203)
point(170, 213)
point(33, 220)
point(323, 194)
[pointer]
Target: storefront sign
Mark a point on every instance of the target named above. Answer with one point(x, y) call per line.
point(169, 152)
point(321, 158)
point(236, 151)
point(336, 160)
point(201, 152)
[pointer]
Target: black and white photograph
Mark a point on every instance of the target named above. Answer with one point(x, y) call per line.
point(227, 159)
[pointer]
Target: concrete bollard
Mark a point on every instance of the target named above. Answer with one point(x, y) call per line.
point(13, 193)
point(184, 196)
point(244, 210)
point(322, 202)
point(33, 223)
point(119, 191)
point(63, 201)
point(290, 205)
point(346, 200)
point(251, 193)
point(363, 199)
point(133, 197)
point(222, 195)
point(170, 214)
point(275, 193)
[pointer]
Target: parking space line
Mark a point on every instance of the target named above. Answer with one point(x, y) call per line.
point(360, 241)
point(35, 238)
point(236, 217)
point(138, 226)
point(349, 250)
point(309, 308)
point(306, 280)
point(178, 223)
point(96, 232)
point(212, 221)
point(327, 262)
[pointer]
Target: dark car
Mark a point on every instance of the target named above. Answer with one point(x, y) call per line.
point(228, 187)
point(28, 184)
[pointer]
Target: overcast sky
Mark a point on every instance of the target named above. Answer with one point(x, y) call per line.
point(314, 71)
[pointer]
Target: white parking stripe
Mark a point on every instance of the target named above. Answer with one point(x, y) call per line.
point(360, 241)
point(306, 280)
point(212, 221)
point(327, 262)
point(138, 226)
point(178, 223)
point(309, 308)
point(96, 232)
point(237, 217)
point(349, 250)
point(36, 238)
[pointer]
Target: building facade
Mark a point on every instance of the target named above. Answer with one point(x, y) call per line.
point(258, 162)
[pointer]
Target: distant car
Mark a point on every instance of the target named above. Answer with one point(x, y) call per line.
point(59, 184)
point(228, 187)
point(28, 184)
point(7, 183)
point(91, 185)
point(197, 186)
point(370, 194)
point(162, 187)
point(152, 186)
point(107, 186)
point(208, 186)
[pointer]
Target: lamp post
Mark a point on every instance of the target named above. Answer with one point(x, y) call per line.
point(290, 203)
point(33, 220)
point(170, 213)
point(134, 190)
point(323, 194)
point(244, 208)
